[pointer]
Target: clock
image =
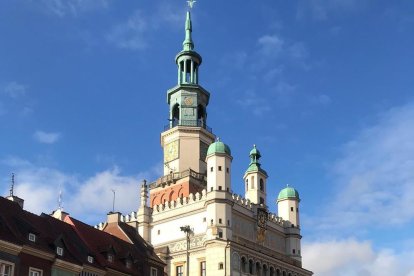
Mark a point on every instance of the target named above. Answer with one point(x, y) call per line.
point(188, 100)
point(171, 151)
point(261, 218)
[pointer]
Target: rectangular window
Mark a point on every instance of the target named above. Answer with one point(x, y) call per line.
point(59, 251)
point(293, 251)
point(219, 188)
point(179, 270)
point(227, 170)
point(220, 234)
point(219, 168)
point(6, 269)
point(32, 237)
point(221, 266)
point(35, 272)
point(154, 272)
point(211, 169)
point(203, 269)
point(220, 220)
point(291, 209)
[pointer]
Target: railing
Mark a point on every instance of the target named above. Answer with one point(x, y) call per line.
point(172, 177)
point(191, 123)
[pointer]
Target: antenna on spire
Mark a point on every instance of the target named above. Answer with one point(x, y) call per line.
point(60, 198)
point(113, 201)
point(191, 3)
point(12, 185)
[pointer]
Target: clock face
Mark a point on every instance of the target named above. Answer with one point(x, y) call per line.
point(188, 100)
point(171, 151)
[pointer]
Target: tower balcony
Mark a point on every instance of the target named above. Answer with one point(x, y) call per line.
point(188, 123)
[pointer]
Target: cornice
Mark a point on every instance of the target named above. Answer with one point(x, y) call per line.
point(67, 266)
point(37, 253)
point(10, 248)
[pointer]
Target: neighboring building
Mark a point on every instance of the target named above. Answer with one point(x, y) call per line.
point(43, 245)
point(191, 217)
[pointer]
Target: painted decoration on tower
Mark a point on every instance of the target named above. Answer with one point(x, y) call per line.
point(262, 218)
point(171, 151)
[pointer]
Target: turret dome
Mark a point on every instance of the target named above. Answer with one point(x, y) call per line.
point(288, 193)
point(218, 147)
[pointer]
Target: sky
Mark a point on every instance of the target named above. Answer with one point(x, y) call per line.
point(324, 88)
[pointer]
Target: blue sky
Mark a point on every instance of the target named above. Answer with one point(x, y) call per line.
point(323, 87)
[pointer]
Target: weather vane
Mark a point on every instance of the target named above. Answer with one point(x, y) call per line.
point(191, 3)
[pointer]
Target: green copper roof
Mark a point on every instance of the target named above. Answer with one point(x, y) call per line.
point(288, 192)
point(188, 44)
point(218, 147)
point(254, 165)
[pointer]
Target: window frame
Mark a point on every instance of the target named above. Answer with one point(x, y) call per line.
point(203, 268)
point(3, 265)
point(181, 268)
point(33, 270)
point(154, 271)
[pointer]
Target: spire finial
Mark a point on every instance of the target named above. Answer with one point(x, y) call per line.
point(218, 139)
point(12, 185)
point(188, 44)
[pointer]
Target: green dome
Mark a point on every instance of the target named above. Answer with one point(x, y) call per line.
point(218, 147)
point(288, 192)
point(255, 151)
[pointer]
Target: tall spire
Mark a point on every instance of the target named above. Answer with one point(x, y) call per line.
point(188, 44)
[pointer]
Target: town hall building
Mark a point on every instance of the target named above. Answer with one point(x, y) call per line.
point(190, 216)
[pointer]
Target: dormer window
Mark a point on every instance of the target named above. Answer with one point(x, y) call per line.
point(128, 264)
point(90, 259)
point(110, 258)
point(32, 237)
point(59, 251)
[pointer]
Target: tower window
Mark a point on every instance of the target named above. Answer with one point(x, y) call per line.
point(211, 169)
point(297, 210)
point(228, 222)
point(219, 168)
point(211, 222)
point(227, 170)
point(293, 251)
point(204, 219)
point(291, 209)
point(219, 188)
point(220, 235)
point(221, 266)
point(261, 185)
point(220, 221)
point(159, 231)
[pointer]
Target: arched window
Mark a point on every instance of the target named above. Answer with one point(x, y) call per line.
point(201, 116)
point(252, 184)
point(243, 264)
point(261, 185)
point(277, 272)
point(251, 266)
point(175, 115)
point(247, 184)
point(272, 271)
point(258, 269)
point(264, 270)
point(236, 262)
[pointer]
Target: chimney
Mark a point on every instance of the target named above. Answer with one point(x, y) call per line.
point(114, 217)
point(16, 199)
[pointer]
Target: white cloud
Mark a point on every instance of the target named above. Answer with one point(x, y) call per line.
point(271, 45)
point(374, 178)
point(86, 199)
point(350, 257)
point(63, 8)
point(321, 99)
point(253, 103)
point(130, 34)
point(15, 89)
point(46, 137)
point(322, 9)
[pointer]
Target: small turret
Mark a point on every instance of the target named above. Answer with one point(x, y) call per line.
point(288, 205)
point(255, 179)
point(218, 167)
point(144, 212)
